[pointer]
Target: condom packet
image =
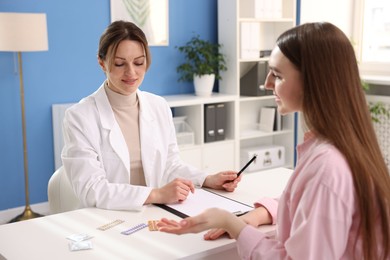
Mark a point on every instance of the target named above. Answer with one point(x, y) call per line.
point(81, 245)
point(79, 242)
point(78, 237)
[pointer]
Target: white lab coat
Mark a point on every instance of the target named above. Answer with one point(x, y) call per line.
point(96, 158)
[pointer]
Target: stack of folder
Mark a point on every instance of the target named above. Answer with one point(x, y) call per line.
point(215, 122)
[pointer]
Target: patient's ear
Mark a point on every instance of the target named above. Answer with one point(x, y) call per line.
point(102, 65)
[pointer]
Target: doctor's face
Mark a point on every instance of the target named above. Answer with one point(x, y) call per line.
point(286, 82)
point(128, 69)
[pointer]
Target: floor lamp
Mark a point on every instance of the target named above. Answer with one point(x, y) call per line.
point(22, 32)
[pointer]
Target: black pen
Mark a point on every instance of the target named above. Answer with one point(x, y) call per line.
point(246, 165)
point(240, 213)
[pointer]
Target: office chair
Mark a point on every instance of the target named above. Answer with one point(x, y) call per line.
point(60, 193)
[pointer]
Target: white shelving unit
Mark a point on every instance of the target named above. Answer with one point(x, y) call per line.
point(242, 111)
point(232, 14)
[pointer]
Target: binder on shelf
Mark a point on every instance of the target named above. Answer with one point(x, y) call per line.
point(259, 8)
point(268, 8)
point(267, 119)
point(277, 8)
point(270, 119)
point(278, 119)
point(220, 121)
point(252, 83)
point(209, 122)
point(214, 122)
point(250, 40)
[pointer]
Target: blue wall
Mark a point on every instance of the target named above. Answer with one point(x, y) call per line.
point(68, 72)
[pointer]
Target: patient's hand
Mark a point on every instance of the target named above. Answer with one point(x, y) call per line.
point(256, 217)
point(210, 218)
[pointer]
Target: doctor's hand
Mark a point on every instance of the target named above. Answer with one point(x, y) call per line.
point(210, 218)
point(175, 191)
point(222, 181)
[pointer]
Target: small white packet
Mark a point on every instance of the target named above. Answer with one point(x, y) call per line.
point(78, 237)
point(81, 245)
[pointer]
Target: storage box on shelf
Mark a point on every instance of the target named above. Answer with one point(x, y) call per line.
point(269, 156)
point(248, 30)
point(184, 133)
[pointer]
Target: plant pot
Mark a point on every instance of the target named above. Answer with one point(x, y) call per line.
point(204, 85)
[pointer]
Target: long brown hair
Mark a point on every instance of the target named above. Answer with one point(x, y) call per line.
point(334, 106)
point(115, 33)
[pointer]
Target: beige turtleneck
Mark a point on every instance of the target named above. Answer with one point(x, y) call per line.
point(126, 111)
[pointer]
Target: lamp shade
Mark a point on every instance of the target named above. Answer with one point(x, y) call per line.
point(20, 32)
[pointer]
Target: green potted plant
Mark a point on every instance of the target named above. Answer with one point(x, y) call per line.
point(377, 109)
point(203, 64)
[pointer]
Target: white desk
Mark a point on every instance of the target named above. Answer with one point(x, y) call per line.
point(45, 238)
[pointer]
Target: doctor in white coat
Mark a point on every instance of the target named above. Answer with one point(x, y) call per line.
point(120, 147)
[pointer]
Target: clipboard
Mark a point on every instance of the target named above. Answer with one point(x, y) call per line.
point(203, 199)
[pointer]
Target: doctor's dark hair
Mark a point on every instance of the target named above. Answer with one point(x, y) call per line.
point(334, 106)
point(115, 33)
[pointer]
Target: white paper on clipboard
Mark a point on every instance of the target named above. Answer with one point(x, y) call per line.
point(202, 199)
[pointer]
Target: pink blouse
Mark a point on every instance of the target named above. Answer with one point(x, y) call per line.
point(317, 215)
